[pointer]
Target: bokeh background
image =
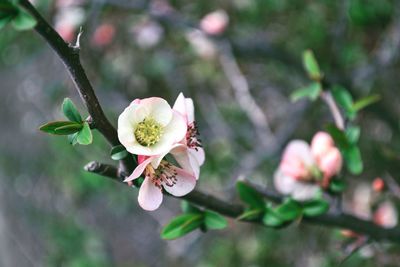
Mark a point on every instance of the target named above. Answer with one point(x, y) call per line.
point(53, 213)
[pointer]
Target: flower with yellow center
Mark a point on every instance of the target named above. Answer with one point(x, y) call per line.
point(150, 127)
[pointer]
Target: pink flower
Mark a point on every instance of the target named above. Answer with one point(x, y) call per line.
point(150, 127)
point(304, 169)
point(386, 215)
point(190, 154)
point(215, 23)
point(160, 174)
point(103, 35)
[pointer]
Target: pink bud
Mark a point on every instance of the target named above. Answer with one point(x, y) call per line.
point(378, 184)
point(294, 167)
point(386, 215)
point(215, 23)
point(320, 144)
point(331, 162)
point(103, 35)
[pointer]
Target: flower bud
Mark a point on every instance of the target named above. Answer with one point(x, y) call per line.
point(386, 215)
point(103, 35)
point(215, 23)
point(331, 162)
point(321, 143)
point(378, 184)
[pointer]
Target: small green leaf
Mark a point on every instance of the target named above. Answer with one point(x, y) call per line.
point(72, 139)
point(353, 134)
point(213, 220)
point(288, 210)
point(60, 127)
point(353, 159)
point(249, 195)
point(118, 152)
point(70, 111)
point(23, 21)
point(311, 65)
point(315, 207)
point(186, 207)
point(251, 214)
point(68, 129)
point(85, 135)
point(312, 92)
point(366, 101)
point(337, 186)
point(271, 218)
point(181, 225)
point(344, 99)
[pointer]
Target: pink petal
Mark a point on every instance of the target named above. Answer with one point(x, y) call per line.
point(138, 170)
point(284, 184)
point(300, 150)
point(150, 196)
point(198, 154)
point(185, 183)
point(189, 110)
point(331, 162)
point(180, 106)
point(182, 155)
point(321, 143)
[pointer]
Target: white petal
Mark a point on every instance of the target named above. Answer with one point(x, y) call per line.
point(284, 184)
point(180, 105)
point(150, 196)
point(299, 149)
point(189, 110)
point(159, 109)
point(198, 154)
point(186, 161)
point(305, 191)
point(185, 184)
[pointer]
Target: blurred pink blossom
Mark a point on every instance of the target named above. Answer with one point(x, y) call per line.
point(215, 22)
point(386, 215)
point(103, 35)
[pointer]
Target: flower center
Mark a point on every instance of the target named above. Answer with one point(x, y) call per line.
point(165, 174)
point(192, 136)
point(148, 132)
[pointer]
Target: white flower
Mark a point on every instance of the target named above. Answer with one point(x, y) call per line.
point(150, 127)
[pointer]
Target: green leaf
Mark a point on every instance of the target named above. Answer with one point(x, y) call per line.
point(118, 152)
point(337, 186)
point(23, 21)
point(311, 65)
point(72, 139)
point(312, 92)
point(213, 220)
point(70, 111)
point(5, 20)
point(315, 207)
point(353, 159)
point(60, 127)
point(85, 135)
point(249, 195)
point(271, 218)
point(186, 207)
point(353, 134)
point(288, 210)
point(68, 129)
point(366, 101)
point(181, 225)
point(251, 214)
point(344, 99)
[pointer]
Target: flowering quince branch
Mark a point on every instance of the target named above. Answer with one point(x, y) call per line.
point(154, 137)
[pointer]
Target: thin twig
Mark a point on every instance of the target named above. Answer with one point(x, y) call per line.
point(337, 116)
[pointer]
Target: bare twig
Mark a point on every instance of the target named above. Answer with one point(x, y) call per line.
point(337, 116)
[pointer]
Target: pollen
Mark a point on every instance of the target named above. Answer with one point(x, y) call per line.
point(148, 132)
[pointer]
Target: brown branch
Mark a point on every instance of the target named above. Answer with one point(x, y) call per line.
point(331, 219)
point(70, 57)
